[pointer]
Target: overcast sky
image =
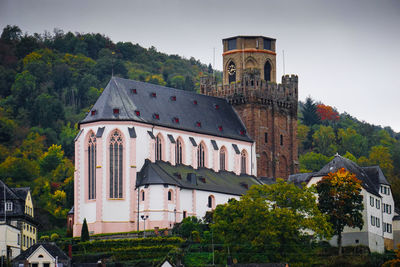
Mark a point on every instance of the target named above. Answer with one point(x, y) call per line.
point(346, 52)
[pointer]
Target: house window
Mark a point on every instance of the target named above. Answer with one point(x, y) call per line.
point(222, 159)
point(378, 222)
point(19, 239)
point(142, 195)
point(389, 209)
point(372, 220)
point(371, 201)
point(178, 151)
point(158, 148)
point(92, 154)
point(116, 165)
point(243, 160)
point(389, 227)
point(24, 243)
point(378, 204)
point(200, 155)
point(184, 214)
point(9, 206)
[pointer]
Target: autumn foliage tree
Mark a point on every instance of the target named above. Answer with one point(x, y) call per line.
point(327, 113)
point(339, 196)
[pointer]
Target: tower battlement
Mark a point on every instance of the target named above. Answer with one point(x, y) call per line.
point(257, 91)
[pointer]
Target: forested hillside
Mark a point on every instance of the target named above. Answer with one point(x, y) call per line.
point(322, 132)
point(49, 81)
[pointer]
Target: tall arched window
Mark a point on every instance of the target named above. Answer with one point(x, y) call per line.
point(116, 159)
point(231, 72)
point(243, 161)
point(158, 148)
point(211, 201)
point(178, 151)
point(267, 71)
point(92, 166)
point(170, 195)
point(222, 159)
point(201, 155)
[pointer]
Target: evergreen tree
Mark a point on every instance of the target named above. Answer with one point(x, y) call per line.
point(310, 115)
point(85, 231)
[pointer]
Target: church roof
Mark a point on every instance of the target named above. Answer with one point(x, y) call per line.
point(184, 176)
point(128, 100)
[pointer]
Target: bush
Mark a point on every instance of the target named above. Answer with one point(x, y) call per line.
point(54, 237)
point(44, 238)
point(85, 231)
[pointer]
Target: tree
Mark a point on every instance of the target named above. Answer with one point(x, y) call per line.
point(312, 162)
point(351, 141)
point(327, 113)
point(310, 116)
point(339, 196)
point(84, 231)
point(325, 140)
point(270, 222)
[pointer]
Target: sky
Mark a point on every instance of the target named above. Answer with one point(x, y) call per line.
point(345, 52)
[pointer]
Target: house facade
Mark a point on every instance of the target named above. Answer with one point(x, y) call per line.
point(378, 212)
point(17, 223)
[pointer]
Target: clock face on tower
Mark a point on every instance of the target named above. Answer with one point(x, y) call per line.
point(231, 69)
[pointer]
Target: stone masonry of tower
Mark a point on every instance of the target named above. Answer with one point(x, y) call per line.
point(268, 109)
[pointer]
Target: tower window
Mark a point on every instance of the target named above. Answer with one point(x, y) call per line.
point(267, 71)
point(281, 140)
point(267, 44)
point(231, 72)
point(231, 44)
point(266, 137)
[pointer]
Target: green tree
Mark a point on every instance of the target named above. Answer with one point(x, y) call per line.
point(339, 196)
point(351, 141)
point(270, 220)
point(380, 155)
point(85, 231)
point(324, 140)
point(312, 162)
point(302, 135)
point(51, 159)
point(310, 115)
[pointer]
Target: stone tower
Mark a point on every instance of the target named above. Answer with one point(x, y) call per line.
point(268, 109)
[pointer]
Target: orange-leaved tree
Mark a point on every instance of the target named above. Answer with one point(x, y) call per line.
point(339, 196)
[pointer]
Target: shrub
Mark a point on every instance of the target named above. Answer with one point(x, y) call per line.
point(54, 237)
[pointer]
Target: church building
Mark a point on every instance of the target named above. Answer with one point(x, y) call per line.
point(147, 156)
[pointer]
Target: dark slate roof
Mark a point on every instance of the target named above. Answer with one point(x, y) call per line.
point(50, 247)
point(299, 178)
point(10, 194)
point(267, 180)
point(130, 96)
point(339, 162)
point(248, 37)
point(376, 175)
point(22, 192)
point(184, 176)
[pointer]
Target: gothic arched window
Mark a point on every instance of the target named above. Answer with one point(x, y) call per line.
point(178, 151)
point(231, 72)
point(243, 161)
point(92, 166)
point(267, 71)
point(211, 201)
point(158, 147)
point(222, 159)
point(116, 159)
point(201, 155)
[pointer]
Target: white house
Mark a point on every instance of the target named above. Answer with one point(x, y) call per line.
point(157, 152)
point(378, 213)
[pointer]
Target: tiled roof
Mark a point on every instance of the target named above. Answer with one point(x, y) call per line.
point(184, 176)
point(300, 178)
point(128, 100)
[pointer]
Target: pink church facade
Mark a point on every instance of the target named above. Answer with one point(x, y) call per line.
point(158, 152)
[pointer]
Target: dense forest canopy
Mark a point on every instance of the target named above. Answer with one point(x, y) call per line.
point(49, 81)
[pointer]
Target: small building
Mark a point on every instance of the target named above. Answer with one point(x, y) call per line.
point(17, 221)
point(378, 213)
point(42, 255)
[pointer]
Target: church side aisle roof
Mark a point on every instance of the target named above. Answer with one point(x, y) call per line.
point(128, 100)
point(184, 176)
